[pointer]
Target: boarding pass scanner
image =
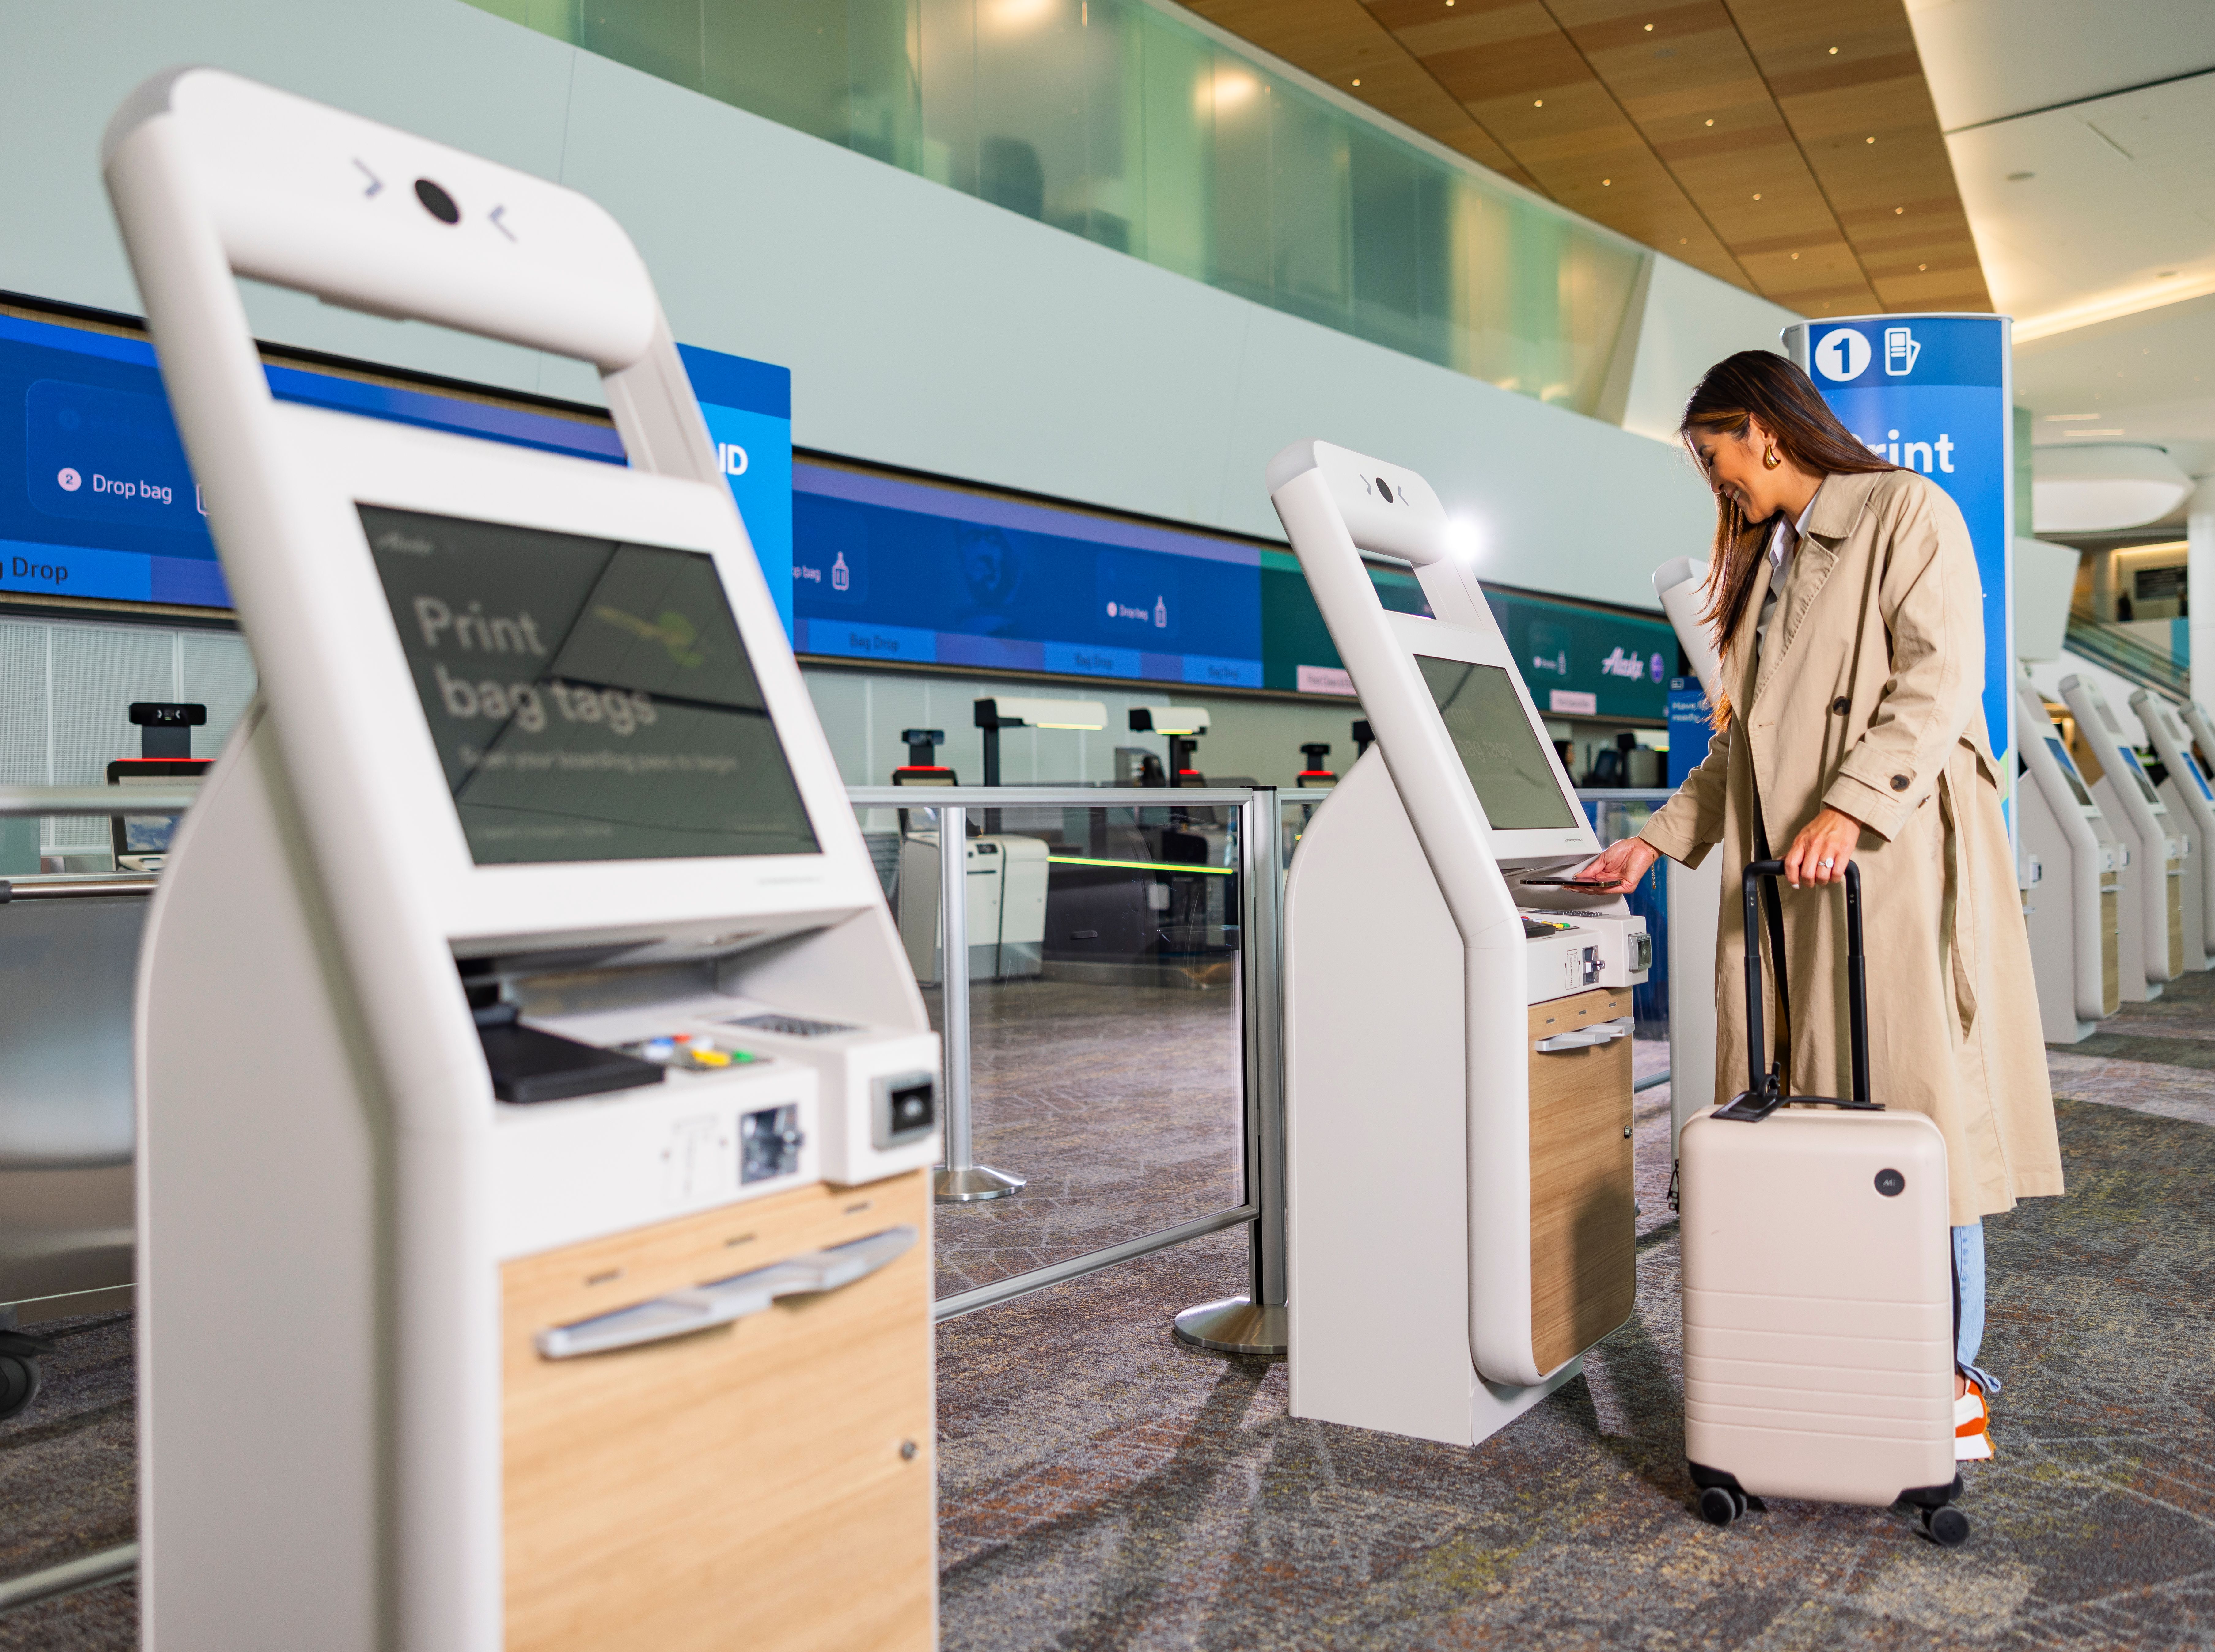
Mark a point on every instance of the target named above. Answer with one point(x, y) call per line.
point(1457, 1063)
point(522, 1034)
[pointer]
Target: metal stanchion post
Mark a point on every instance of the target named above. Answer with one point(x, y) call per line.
point(959, 1181)
point(1255, 1323)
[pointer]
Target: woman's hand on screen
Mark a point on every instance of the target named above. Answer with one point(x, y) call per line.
point(1623, 864)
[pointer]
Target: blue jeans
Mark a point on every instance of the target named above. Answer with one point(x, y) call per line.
point(1969, 1304)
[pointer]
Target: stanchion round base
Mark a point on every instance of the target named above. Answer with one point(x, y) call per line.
point(972, 1185)
point(1234, 1325)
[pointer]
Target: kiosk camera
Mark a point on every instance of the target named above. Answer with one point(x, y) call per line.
point(521, 1034)
point(1457, 1016)
point(2151, 947)
point(2185, 790)
point(923, 767)
point(2072, 913)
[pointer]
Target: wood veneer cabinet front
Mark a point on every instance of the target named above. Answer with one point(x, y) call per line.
point(742, 1487)
point(1584, 1269)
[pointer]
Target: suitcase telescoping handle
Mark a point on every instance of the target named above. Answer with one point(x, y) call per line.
point(1765, 1091)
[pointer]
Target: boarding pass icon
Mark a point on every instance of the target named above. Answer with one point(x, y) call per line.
point(1901, 350)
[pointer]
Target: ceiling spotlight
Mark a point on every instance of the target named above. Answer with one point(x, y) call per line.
point(1605, 183)
point(1923, 267)
point(1649, 28)
point(1869, 140)
point(1897, 210)
point(1683, 242)
point(1357, 80)
point(1834, 51)
point(1796, 257)
point(1538, 102)
point(1756, 195)
point(1711, 123)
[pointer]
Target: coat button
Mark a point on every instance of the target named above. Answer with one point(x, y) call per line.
point(1842, 705)
point(1899, 783)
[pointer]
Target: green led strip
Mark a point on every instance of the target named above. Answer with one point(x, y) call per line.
point(1138, 866)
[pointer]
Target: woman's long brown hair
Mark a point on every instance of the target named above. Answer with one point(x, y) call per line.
point(1737, 390)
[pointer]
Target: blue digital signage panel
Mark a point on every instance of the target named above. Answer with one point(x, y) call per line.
point(105, 505)
point(889, 569)
point(1933, 393)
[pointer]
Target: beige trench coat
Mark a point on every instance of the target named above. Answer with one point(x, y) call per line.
point(1868, 697)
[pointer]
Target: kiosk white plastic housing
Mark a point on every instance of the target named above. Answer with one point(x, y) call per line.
point(2185, 790)
point(534, 804)
point(1695, 893)
point(2152, 929)
point(2072, 914)
point(1457, 1046)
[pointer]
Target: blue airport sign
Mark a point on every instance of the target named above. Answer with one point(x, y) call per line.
point(1934, 393)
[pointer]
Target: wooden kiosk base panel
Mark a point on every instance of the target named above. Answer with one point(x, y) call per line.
point(1583, 1217)
point(766, 1485)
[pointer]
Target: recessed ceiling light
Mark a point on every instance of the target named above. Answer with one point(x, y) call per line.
point(1711, 123)
point(1357, 80)
point(1796, 257)
point(1897, 210)
point(1834, 51)
point(1649, 28)
point(1869, 140)
point(1683, 242)
point(2021, 177)
point(2063, 418)
point(1606, 183)
point(1538, 102)
point(1923, 267)
point(1756, 195)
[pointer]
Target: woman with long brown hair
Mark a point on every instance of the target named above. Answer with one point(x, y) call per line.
point(1845, 609)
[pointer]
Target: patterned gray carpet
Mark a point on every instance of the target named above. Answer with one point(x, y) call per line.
point(1103, 1486)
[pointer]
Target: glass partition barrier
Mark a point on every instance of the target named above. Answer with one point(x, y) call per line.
point(1106, 1032)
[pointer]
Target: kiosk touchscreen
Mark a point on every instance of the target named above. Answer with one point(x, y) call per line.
point(2183, 787)
point(534, 1103)
point(2072, 913)
point(2152, 928)
point(1457, 1017)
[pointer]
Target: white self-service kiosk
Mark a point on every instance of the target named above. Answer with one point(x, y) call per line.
point(2184, 790)
point(528, 1068)
point(2152, 950)
point(1460, 1217)
point(1695, 893)
point(2071, 912)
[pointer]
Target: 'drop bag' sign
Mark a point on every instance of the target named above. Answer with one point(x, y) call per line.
point(1933, 393)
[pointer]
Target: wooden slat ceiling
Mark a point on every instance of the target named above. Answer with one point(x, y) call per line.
point(1789, 146)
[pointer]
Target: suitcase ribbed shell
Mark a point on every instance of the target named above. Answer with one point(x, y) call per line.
point(1818, 1311)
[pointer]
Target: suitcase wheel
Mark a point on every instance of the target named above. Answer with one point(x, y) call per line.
point(19, 1383)
point(1947, 1527)
point(1719, 1506)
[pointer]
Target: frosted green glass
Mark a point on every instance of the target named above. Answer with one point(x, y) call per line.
point(1117, 121)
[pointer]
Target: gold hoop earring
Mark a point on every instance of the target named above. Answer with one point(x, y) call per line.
point(1770, 461)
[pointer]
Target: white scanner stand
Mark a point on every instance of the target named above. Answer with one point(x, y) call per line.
point(1457, 1040)
point(2072, 914)
point(2185, 792)
point(533, 1103)
point(2150, 951)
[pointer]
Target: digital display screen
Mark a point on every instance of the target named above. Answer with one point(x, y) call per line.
point(2069, 772)
point(589, 699)
point(2145, 786)
point(1513, 774)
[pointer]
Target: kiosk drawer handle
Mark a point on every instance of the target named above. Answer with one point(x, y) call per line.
point(682, 1313)
point(1578, 1038)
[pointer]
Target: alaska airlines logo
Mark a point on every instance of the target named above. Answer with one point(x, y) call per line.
point(1620, 664)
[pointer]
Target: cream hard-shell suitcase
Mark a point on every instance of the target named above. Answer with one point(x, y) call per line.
point(1818, 1287)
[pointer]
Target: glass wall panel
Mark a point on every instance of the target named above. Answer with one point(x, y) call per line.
point(1120, 121)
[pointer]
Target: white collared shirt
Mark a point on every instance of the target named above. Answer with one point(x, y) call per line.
point(1783, 540)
